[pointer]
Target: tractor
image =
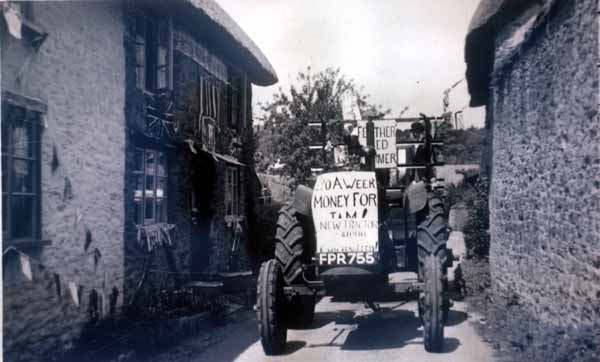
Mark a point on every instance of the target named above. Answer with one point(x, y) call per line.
point(372, 212)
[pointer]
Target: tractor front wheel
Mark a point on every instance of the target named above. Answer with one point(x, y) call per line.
point(432, 305)
point(432, 234)
point(302, 311)
point(270, 308)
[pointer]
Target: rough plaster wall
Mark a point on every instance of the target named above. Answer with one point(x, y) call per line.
point(545, 190)
point(79, 73)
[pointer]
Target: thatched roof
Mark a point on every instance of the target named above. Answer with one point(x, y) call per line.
point(229, 38)
point(489, 17)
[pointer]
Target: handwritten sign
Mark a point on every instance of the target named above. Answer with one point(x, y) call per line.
point(385, 142)
point(345, 214)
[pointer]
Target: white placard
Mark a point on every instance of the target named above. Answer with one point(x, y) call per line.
point(385, 142)
point(345, 214)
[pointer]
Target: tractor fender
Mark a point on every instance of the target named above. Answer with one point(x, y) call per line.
point(302, 200)
point(415, 197)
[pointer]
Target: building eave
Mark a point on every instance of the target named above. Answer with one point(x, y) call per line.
point(240, 48)
point(489, 17)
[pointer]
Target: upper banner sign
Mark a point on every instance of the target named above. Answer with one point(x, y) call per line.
point(345, 214)
point(385, 142)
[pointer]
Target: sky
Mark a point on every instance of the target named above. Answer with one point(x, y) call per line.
point(404, 52)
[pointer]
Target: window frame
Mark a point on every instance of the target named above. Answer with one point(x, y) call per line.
point(141, 219)
point(236, 94)
point(8, 120)
point(148, 42)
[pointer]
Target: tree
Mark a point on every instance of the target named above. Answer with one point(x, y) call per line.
point(286, 135)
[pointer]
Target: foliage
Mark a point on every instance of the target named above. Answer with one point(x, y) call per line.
point(170, 303)
point(286, 135)
point(463, 146)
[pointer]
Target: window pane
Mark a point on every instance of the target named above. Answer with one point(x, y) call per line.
point(5, 130)
point(161, 68)
point(139, 160)
point(149, 186)
point(21, 139)
point(161, 187)
point(140, 50)
point(162, 164)
point(22, 216)
point(4, 213)
point(137, 211)
point(139, 186)
point(4, 173)
point(150, 161)
point(149, 211)
point(22, 180)
point(160, 210)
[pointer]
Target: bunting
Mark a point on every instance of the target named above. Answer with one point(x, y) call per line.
point(25, 267)
point(13, 20)
point(74, 291)
point(155, 235)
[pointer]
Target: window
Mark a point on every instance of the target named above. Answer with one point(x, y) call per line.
point(237, 94)
point(234, 100)
point(232, 192)
point(150, 193)
point(152, 38)
point(20, 174)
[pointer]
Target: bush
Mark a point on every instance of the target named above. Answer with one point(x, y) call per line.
point(169, 303)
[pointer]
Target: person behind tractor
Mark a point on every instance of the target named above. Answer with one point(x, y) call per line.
point(417, 130)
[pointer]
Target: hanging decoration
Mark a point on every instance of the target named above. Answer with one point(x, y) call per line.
point(26, 267)
point(159, 116)
point(74, 291)
point(237, 234)
point(13, 19)
point(155, 235)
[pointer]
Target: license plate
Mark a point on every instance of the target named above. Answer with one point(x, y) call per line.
point(347, 258)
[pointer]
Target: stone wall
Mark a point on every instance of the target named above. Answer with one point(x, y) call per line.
point(79, 74)
point(544, 202)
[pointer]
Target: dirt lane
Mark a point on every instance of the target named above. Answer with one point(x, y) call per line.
point(343, 332)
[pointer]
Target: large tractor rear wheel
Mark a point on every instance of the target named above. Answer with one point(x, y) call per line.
point(290, 252)
point(432, 234)
point(289, 243)
point(270, 308)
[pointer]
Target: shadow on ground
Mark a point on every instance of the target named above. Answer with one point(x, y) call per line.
point(387, 329)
